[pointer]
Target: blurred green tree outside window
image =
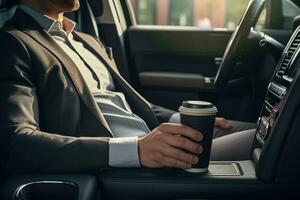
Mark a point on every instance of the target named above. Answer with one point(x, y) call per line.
point(181, 12)
point(205, 14)
point(145, 12)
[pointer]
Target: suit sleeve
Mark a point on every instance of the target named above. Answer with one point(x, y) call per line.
point(24, 147)
point(163, 114)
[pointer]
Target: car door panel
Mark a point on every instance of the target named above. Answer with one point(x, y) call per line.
point(171, 79)
point(176, 61)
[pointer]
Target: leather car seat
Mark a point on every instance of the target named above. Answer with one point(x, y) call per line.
point(86, 22)
point(86, 16)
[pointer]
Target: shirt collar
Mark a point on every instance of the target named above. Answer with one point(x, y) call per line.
point(48, 23)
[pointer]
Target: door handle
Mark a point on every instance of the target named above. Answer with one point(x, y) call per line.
point(218, 61)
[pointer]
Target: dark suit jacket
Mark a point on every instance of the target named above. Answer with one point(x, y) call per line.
point(48, 119)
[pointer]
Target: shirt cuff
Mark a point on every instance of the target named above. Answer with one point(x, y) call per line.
point(123, 152)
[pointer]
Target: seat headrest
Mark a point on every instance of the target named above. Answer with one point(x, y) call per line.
point(97, 7)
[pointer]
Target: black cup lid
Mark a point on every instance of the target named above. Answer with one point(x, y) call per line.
point(197, 104)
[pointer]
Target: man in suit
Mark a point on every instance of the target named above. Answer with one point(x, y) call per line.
point(65, 107)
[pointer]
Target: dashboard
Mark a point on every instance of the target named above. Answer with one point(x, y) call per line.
point(276, 145)
point(279, 88)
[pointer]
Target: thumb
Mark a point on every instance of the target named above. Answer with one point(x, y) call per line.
point(222, 123)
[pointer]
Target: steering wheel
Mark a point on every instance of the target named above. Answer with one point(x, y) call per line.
point(241, 33)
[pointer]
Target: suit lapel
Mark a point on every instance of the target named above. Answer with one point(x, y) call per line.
point(45, 40)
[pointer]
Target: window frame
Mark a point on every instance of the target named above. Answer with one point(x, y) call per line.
point(297, 3)
point(273, 20)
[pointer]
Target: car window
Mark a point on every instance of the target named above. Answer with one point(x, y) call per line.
point(261, 23)
point(205, 14)
point(289, 11)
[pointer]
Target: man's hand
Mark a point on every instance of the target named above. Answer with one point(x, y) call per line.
point(222, 123)
point(163, 147)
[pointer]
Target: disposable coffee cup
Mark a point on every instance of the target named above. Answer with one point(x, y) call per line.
point(200, 115)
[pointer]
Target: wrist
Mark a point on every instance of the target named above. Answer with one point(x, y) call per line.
point(139, 146)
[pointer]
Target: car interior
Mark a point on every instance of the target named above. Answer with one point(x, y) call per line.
point(250, 73)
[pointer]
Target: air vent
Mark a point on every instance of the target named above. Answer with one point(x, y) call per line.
point(289, 54)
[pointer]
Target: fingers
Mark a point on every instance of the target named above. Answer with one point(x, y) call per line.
point(222, 123)
point(171, 162)
point(179, 129)
point(182, 143)
point(164, 146)
point(178, 154)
